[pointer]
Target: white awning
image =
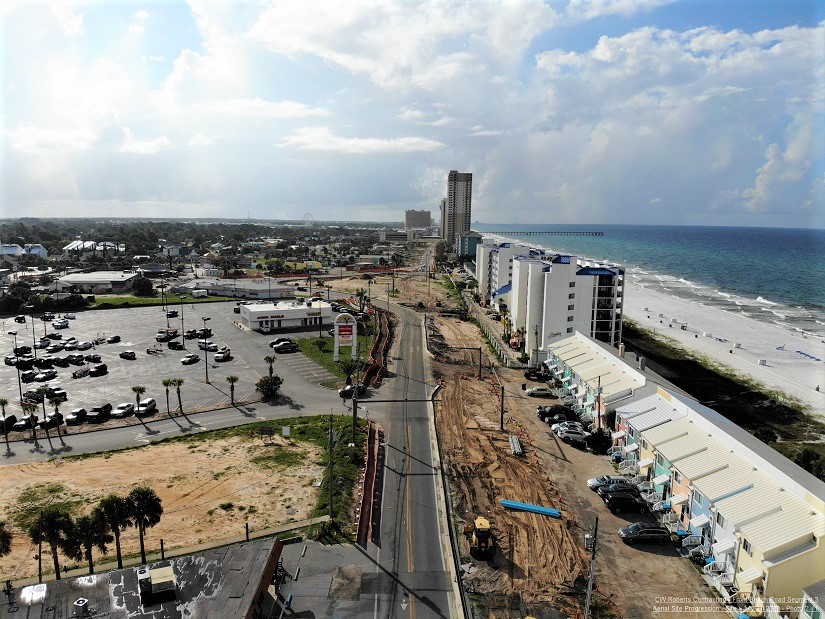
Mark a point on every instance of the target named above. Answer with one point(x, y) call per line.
point(565, 379)
point(553, 366)
point(699, 521)
point(678, 499)
point(749, 575)
point(630, 448)
point(661, 479)
point(720, 548)
point(619, 434)
point(645, 462)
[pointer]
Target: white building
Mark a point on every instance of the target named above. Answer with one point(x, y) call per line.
point(11, 249)
point(36, 249)
point(286, 315)
point(494, 269)
point(456, 210)
point(258, 288)
point(99, 282)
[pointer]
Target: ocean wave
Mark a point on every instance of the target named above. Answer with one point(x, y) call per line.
point(722, 294)
point(765, 301)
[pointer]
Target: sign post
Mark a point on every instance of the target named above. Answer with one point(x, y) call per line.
point(345, 334)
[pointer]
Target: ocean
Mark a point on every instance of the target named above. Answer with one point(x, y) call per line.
point(771, 274)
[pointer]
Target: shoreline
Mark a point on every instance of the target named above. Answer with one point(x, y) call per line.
point(772, 355)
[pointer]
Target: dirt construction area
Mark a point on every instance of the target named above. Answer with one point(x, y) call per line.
point(540, 566)
point(208, 489)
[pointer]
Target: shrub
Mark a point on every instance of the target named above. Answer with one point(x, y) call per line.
point(269, 386)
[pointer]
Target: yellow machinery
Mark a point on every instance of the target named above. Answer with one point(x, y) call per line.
point(481, 538)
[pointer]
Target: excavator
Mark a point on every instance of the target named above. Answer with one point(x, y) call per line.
point(482, 542)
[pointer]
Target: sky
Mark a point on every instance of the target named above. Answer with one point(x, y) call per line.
point(566, 111)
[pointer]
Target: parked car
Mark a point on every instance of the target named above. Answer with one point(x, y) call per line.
point(20, 319)
point(70, 316)
point(146, 407)
point(644, 533)
point(55, 336)
point(285, 347)
point(99, 413)
point(190, 358)
point(45, 375)
point(191, 334)
point(26, 422)
point(113, 339)
point(76, 416)
point(348, 391)
point(57, 393)
point(44, 363)
point(223, 355)
point(84, 345)
point(625, 502)
point(43, 343)
point(237, 309)
point(92, 358)
point(175, 345)
point(99, 370)
point(566, 425)
point(536, 374)
point(615, 488)
point(10, 360)
point(164, 336)
point(279, 340)
point(172, 314)
point(605, 480)
point(54, 348)
point(7, 423)
point(28, 376)
point(80, 372)
point(128, 354)
point(207, 345)
point(540, 392)
point(23, 350)
point(60, 324)
point(123, 410)
point(204, 333)
point(33, 396)
point(48, 316)
point(70, 346)
point(555, 410)
point(25, 363)
point(573, 436)
point(52, 420)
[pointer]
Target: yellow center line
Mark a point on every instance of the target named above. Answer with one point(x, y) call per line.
point(410, 562)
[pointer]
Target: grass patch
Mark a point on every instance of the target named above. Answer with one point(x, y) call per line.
point(279, 457)
point(227, 507)
point(34, 498)
point(113, 301)
point(323, 355)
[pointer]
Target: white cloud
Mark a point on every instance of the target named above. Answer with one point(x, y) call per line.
point(70, 22)
point(43, 140)
point(259, 107)
point(142, 147)
point(199, 139)
point(321, 138)
point(141, 15)
point(590, 9)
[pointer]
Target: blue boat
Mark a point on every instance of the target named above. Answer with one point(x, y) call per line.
point(529, 507)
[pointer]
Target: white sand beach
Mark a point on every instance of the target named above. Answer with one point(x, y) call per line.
point(714, 333)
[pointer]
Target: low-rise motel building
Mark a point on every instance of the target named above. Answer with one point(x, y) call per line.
point(751, 517)
point(285, 315)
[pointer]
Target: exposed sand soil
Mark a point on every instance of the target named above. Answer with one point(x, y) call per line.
point(192, 479)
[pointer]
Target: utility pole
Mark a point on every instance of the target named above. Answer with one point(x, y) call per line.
point(594, 532)
point(502, 408)
point(330, 465)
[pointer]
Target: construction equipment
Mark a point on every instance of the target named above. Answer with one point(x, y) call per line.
point(482, 542)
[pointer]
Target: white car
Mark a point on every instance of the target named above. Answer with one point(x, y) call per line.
point(84, 345)
point(69, 316)
point(566, 425)
point(573, 435)
point(605, 480)
point(223, 355)
point(146, 407)
point(208, 345)
point(123, 410)
point(540, 392)
point(190, 358)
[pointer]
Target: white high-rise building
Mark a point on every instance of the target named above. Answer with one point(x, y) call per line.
point(494, 268)
point(456, 208)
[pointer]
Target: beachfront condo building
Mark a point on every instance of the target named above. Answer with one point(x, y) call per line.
point(494, 270)
point(417, 220)
point(456, 208)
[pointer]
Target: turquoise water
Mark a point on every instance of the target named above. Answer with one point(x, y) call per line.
point(771, 274)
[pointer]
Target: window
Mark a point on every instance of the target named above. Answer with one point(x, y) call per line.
point(572, 295)
point(569, 319)
point(631, 433)
point(572, 284)
point(746, 546)
point(677, 477)
point(660, 461)
point(812, 611)
point(569, 307)
point(700, 500)
point(570, 329)
point(721, 521)
point(644, 444)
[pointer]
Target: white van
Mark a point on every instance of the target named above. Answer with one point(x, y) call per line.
point(146, 407)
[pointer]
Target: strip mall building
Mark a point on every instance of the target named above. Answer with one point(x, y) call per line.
point(285, 315)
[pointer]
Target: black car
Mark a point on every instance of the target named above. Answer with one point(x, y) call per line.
point(644, 533)
point(43, 362)
point(61, 362)
point(33, 396)
point(347, 391)
point(25, 363)
point(113, 339)
point(52, 420)
point(76, 359)
point(624, 486)
point(175, 345)
point(26, 422)
point(55, 336)
point(28, 376)
point(99, 370)
point(76, 417)
point(207, 332)
point(285, 347)
point(23, 350)
point(99, 413)
point(560, 413)
point(191, 334)
point(7, 423)
point(20, 319)
point(128, 355)
point(536, 374)
point(625, 502)
point(92, 358)
point(10, 360)
point(172, 314)
point(56, 393)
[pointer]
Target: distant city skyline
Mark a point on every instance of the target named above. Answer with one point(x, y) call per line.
point(602, 111)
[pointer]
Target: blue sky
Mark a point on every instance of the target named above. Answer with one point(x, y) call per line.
point(581, 111)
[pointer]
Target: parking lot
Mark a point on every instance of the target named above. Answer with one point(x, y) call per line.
point(137, 328)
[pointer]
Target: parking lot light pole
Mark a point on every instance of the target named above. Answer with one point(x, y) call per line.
point(19, 383)
point(206, 350)
point(34, 344)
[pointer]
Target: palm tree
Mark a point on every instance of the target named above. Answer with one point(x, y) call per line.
point(55, 402)
point(177, 382)
point(269, 359)
point(167, 382)
point(91, 532)
point(118, 514)
point(349, 367)
point(3, 402)
point(361, 294)
point(146, 512)
point(232, 380)
point(5, 540)
point(139, 391)
point(31, 409)
point(54, 525)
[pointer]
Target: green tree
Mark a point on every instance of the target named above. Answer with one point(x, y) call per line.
point(53, 526)
point(178, 382)
point(232, 380)
point(31, 409)
point(142, 286)
point(5, 540)
point(361, 295)
point(269, 359)
point(146, 512)
point(56, 402)
point(167, 382)
point(269, 386)
point(92, 531)
point(349, 366)
point(118, 514)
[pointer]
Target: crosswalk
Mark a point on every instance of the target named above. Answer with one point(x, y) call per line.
point(307, 368)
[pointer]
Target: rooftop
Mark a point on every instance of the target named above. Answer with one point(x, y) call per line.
point(96, 277)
